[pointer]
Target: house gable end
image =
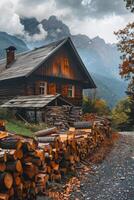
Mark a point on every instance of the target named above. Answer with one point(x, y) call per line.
point(65, 63)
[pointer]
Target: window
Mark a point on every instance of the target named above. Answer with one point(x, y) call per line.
point(71, 89)
point(43, 88)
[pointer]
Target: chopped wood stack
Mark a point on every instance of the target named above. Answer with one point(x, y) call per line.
point(75, 115)
point(58, 116)
point(18, 167)
point(59, 152)
point(27, 165)
point(62, 116)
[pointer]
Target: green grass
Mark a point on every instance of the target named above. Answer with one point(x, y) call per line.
point(18, 128)
point(21, 128)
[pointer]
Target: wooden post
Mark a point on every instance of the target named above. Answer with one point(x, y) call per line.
point(35, 115)
point(56, 103)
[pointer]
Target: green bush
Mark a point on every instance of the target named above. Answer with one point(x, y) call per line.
point(121, 115)
point(98, 106)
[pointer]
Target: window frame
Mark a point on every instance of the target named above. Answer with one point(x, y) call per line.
point(71, 88)
point(43, 88)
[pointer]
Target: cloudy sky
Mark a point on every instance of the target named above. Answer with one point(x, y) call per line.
point(90, 17)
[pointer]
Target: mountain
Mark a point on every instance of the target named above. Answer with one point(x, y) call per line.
point(101, 59)
point(110, 89)
point(7, 40)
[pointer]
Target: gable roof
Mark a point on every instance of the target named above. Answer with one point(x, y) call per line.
point(29, 61)
point(34, 101)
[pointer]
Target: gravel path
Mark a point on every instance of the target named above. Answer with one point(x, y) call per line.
point(114, 178)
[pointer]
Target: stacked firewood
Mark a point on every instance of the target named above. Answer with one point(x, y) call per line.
point(75, 115)
point(58, 116)
point(59, 150)
point(19, 163)
point(28, 165)
point(62, 116)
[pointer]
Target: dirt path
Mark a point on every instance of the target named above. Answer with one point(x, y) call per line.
point(113, 179)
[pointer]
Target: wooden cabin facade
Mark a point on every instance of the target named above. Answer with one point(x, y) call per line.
point(52, 69)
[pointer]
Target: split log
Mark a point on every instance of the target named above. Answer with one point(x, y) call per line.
point(11, 155)
point(30, 170)
point(3, 134)
point(10, 143)
point(55, 165)
point(14, 166)
point(47, 147)
point(47, 139)
point(3, 156)
point(4, 196)
point(6, 180)
point(17, 179)
point(82, 124)
point(40, 154)
point(19, 154)
point(45, 132)
point(2, 167)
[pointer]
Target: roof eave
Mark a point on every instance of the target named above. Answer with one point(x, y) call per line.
point(85, 69)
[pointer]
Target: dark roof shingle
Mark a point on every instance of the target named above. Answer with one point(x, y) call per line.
point(34, 101)
point(28, 61)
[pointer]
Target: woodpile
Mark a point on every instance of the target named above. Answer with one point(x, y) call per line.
point(62, 116)
point(75, 115)
point(58, 116)
point(18, 167)
point(28, 165)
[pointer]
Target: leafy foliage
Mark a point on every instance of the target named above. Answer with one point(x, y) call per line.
point(88, 105)
point(98, 106)
point(101, 107)
point(126, 47)
point(130, 4)
point(121, 115)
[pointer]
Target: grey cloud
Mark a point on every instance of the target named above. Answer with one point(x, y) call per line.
point(94, 8)
point(105, 7)
point(31, 2)
point(81, 8)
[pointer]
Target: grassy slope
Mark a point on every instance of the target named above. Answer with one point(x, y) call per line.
point(18, 128)
point(21, 128)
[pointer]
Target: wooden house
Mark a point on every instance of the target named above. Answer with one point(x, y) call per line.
point(49, 70)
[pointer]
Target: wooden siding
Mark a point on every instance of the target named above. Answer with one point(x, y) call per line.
point(62, 65)
point(56, 87)
point(10, 89)
point(51, 88)
point(61, 70)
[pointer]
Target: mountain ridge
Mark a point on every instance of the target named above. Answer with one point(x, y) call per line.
point(7, 40)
